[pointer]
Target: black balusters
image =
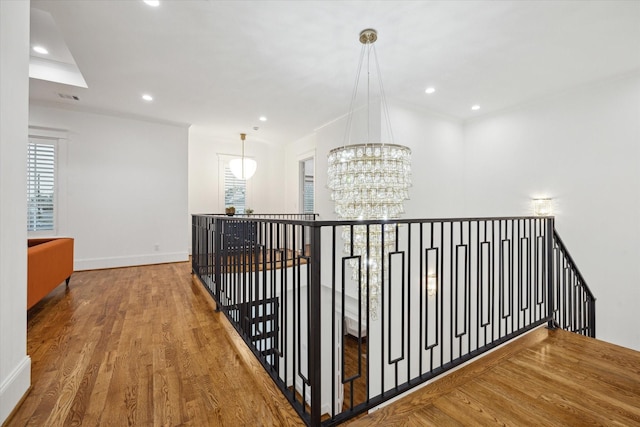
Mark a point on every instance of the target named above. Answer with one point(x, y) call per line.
point(495, 279)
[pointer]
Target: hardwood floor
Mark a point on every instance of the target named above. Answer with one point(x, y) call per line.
point(351, 369)
point(141, 346)
point(547, 378)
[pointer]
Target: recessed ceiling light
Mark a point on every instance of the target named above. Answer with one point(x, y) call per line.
point(263, 119)
point(430, 90)
point(475, 107)
point(41, 50)
point(147, 97)
point(154, 3)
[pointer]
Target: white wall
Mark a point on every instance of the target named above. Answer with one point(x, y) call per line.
point(333, 135)
point(295, 152)
point(126, 188)
point(15, 365)
point(436, 144)
point(264, 190)
point(582, 149)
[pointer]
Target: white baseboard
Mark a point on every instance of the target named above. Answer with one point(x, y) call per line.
point(128, 261)
point(14, 387)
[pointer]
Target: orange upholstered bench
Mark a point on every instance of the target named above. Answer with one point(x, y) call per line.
point(49, 263)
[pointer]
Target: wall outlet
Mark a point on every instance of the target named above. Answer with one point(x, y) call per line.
point(156, 247)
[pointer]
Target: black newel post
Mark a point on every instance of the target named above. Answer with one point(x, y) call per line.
point(550, 230)
point(314, 328)
point(217, 255)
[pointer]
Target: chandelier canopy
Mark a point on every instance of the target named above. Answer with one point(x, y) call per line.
point(369, 181)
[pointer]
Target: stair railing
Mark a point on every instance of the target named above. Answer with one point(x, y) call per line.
point(575, 304)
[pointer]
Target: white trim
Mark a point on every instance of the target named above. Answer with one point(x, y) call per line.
point(307, 155)
point(43, 132)
point(107, 112)
point(128, 261)
point(14, 387)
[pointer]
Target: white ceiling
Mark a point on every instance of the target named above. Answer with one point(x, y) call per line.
point(56, 65)
point(222, 64)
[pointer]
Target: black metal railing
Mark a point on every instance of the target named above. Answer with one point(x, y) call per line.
point(345, 315)
point(257, 270)
point(575, 308)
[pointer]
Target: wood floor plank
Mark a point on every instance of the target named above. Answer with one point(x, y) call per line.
point(429, 416)
point(528, 398)
point(573, 385)
point(494, 403)
point(458, 406)
point(553, 378)
point(603, 380)
point(142, 346)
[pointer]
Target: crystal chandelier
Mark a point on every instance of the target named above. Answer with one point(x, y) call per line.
point(369, 181)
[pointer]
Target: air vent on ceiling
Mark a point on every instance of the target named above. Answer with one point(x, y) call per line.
point(67, 96)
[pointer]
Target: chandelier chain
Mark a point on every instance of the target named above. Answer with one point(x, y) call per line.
point(383, 98)
point(369, 45)
point(354, 94)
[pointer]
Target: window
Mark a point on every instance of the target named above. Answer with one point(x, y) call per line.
point(307, 178)
point(41, 185)
point(235, 190)
point(231, 190)
point(308, 195)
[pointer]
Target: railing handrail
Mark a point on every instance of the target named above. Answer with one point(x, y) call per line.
point(275, 218)
point(566, 253)
point(338, 222)
point(265, 215)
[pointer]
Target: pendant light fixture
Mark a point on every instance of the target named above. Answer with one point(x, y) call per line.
point(369, 181)
point(243, 168)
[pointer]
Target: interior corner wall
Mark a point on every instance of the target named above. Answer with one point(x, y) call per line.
point(125, 184)
point(437, 155)
point(15, 365)
point(332, 135)
point(295, 152)
point(582, 149)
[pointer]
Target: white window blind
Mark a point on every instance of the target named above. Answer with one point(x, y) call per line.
point(306, 184)
point(41, 162)
point(235, 190)
point(308, 194)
